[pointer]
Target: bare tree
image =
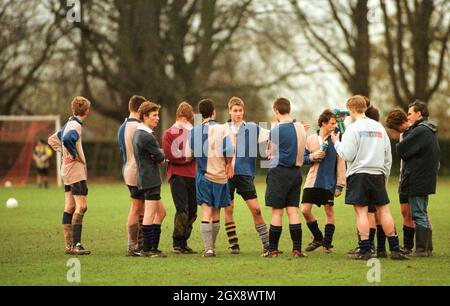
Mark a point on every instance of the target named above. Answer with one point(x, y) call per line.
point(165, 50)
point(416, 70)
point(340, 35)
point(26, 44)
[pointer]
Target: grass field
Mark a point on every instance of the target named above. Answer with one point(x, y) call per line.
point(32, 247)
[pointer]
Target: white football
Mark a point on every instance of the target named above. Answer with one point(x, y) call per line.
point(8, 184)
point(12, 203)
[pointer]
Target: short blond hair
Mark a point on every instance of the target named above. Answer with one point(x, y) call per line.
point(80, 106)
point(358, 104)
point(146, 108)
point(235, 101)
point(185, 110)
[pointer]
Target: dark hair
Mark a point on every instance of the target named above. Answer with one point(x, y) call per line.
point(135, 102)
point(282, 105)
point(421, 107)
point(373, 113)
point(395, 119)
point(146, 108)
point(206, 108)
point(325, 117)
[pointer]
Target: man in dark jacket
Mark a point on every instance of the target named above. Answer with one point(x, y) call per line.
point(420, 153)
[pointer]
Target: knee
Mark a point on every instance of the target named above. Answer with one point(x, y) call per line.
point(292, 213)
point(136, 211)
point(70, 209)
point(329, 212)
point(278, 213)
point(256, 212)
point(306, 211)
point(82, 209)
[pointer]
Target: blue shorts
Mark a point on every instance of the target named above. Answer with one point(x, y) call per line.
point(212, 194)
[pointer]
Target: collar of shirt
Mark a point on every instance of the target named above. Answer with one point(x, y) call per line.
point(205, 122)
point(287, 122)
point(143, 127)
point(320, 139)
point(74, 118)
point(234, 128)
point(133, 120)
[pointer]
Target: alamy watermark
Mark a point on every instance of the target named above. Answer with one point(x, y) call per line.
point(74, 12)
point(374, 273)
point(250, 142)
point(74, 272)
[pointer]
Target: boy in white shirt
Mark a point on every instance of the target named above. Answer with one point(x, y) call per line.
point(366, 148)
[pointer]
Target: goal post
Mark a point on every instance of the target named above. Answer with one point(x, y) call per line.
point(26, 129)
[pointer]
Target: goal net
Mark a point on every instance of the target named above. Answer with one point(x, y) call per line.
point(18, 137)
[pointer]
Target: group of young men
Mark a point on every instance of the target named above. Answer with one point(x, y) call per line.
point(209, 163)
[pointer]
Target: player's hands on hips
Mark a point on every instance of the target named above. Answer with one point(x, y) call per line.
point(68, 160)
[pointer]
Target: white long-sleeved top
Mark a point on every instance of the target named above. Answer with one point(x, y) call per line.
point(366, 148)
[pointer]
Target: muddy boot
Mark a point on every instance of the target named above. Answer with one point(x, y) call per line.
point(422, 241)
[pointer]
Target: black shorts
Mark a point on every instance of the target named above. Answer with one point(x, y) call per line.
point(152, 194)
point(318, 196)
point(42, 171)
point(77, 189)
point(135, 193)
point(283, 187)
point(244, 185)
point(366, 190)
point(403, 198)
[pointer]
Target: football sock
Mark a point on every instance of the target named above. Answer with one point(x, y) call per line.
point(231, 233)
point(296, 236)
point(394, 244)
point(156, 236)
point(274, 237)
point(381, 239)
point(77, 227)
point(147, 237)
point(67, 224)
point(132, 236)
point(408, 237)
point(314, 228)
point(364, 246)
point(207, 234)
point(263, 234)
point(215, 232)
point(329, 232)
point(140, 239)
point(372, 234)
